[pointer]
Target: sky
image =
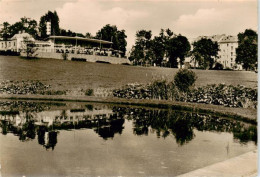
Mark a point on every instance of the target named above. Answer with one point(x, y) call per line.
point(191, 18)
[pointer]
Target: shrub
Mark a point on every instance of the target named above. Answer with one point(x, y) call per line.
point(64, 56)
point(184, 79)
point(159, 89)
point(89, 92)
point(218, 66)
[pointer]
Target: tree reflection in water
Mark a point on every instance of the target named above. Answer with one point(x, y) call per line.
point(163, 122)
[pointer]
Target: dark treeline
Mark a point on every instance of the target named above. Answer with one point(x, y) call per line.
point(166, 49)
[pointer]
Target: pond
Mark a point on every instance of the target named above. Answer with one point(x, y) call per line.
point(85, 139)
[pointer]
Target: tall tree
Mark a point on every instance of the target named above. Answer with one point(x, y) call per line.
point(247, 49)
point(204, 52)
point(177, 47)
point(111, 33)
point(159, 45)
point(141, 51)
point(54, 19)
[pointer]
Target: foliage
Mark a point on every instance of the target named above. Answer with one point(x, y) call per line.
point(29, 47)
point(24, 25)
point(54, 19)
point(111, 33)
point(204, 52)
point(247, 49)
point(89, 92)
point(64, 32)
point(177, 47)
point(218, 66)
point(184, 79)
point(141, 51)
point(148, 51)
point(64, 56)
point(159, 89)
point(226, 95)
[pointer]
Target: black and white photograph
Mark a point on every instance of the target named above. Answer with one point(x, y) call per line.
point(128, 88)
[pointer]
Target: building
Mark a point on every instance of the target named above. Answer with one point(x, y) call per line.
point(16, 43)
point(227, 50)
point(227, 53)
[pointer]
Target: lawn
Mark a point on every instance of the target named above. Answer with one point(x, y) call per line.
point(73, 75)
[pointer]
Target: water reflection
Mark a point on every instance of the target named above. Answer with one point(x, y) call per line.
point(107, 121)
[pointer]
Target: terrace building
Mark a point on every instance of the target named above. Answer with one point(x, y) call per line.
point(64, 47)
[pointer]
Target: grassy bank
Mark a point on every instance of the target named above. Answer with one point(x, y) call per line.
point(75, 76)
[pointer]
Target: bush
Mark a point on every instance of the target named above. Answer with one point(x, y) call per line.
point(218, 66)
point(159, 89)
point(89, 92)
point(64, 56)
point(184, 79)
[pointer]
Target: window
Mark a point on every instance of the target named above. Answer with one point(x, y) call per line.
point(227, 45)
point(231, 53)
point(231, 47)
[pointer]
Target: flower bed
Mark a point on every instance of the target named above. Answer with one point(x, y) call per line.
point(221, 94)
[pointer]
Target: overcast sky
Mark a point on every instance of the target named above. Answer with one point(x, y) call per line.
point(191, 18)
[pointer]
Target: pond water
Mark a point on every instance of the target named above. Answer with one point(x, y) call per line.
point(79, 139)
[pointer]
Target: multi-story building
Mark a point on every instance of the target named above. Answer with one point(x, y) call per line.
point(227, 50)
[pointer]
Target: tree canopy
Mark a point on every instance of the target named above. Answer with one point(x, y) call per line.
point(166, 44)
point(25, 24)
point(54, 19)
point(141, 52)
point(247, 49)
point(111, 33)
point(177, 47)
point(204, 52)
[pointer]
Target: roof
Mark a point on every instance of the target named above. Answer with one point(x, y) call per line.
point(228, 39)
point(81, 39)
point(222, 38)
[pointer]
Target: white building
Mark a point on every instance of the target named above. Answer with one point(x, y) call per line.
point(16, 43)
point(227, 53)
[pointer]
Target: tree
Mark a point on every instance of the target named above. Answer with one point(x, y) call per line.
point(29, 47)
point(5, 31)
point(24, 25)
point(177, 47)
point(141, 51)
point(111, 33)
point(54, 19)
point(247, 49)
point(159, 45)
point(204, 52)
point(88, 35)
